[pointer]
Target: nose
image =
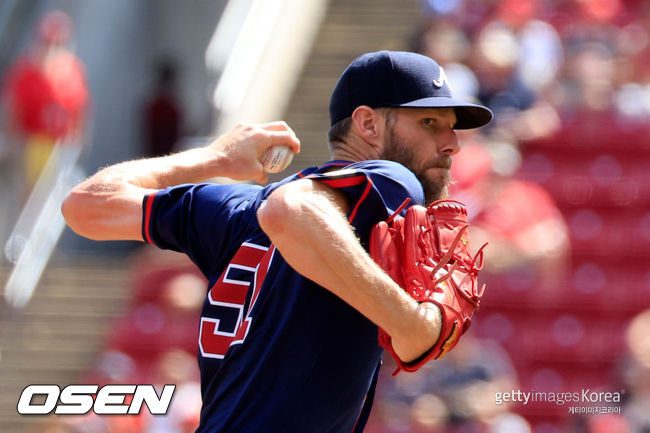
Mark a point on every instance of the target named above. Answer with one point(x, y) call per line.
point(448, 142)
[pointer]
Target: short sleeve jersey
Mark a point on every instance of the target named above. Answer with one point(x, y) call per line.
point(277, 352)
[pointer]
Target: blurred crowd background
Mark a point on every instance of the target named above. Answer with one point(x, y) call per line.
point(558, 184)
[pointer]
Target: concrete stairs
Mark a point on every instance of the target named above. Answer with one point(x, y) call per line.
point(350, 28)
point(57, 335)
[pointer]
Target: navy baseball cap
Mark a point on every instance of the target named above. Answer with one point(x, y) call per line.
point(400, 79)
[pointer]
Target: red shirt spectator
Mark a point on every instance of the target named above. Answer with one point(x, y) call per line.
point(48, 97)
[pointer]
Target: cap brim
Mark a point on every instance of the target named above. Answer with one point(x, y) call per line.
point(468, 115)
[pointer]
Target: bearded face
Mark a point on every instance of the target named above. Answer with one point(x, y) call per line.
point(431, 171)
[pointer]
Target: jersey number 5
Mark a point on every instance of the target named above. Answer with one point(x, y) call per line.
point(229, 323)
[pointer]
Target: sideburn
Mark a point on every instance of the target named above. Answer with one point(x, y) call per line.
point(398, 151)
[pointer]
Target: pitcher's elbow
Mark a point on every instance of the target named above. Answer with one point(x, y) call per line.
point(72, 209)
point(274, 214)
point(68, 208)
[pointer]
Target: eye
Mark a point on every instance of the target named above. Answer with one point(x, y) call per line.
point(429, 121)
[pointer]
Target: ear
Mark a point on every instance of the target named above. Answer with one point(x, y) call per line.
point(369, 126)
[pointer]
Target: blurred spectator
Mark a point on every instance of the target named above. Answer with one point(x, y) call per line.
point(589, 78)
point(45, 101)
point(46, 93)
point(516, 66)
point(163, 116)
point(516, 59)
point(167, 302)
point(635, 373)
point(452, 395)
point(518, 219)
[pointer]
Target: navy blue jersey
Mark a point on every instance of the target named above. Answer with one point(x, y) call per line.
point(277, 352)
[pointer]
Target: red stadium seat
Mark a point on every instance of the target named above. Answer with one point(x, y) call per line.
point(149, 330)
point(147, 283)
point(597, 180)
point(561, 334)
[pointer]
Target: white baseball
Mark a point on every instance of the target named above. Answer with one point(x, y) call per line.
point(277, 158)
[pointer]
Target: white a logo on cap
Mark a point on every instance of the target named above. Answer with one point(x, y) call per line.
point(442, 79)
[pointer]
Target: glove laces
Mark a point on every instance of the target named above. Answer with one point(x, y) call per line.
point(470, 267)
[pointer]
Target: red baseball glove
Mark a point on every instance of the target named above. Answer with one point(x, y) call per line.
point(427, 254)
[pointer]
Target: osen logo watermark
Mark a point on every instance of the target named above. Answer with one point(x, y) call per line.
point(81, 399)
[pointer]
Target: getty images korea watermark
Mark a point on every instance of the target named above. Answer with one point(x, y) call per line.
point(584, 401)
point(106, 400)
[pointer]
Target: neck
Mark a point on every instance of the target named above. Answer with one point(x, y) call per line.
point(349, 151)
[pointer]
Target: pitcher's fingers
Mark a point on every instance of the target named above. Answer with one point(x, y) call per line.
point(285, 138)
point(280, 125)
point(276, 125)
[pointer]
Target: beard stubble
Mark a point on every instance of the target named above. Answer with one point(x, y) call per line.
point(435, 188)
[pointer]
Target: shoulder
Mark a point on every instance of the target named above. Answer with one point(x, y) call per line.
point(391, 177)
point(369, 169)
point(374, 188)
point(385, 168)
